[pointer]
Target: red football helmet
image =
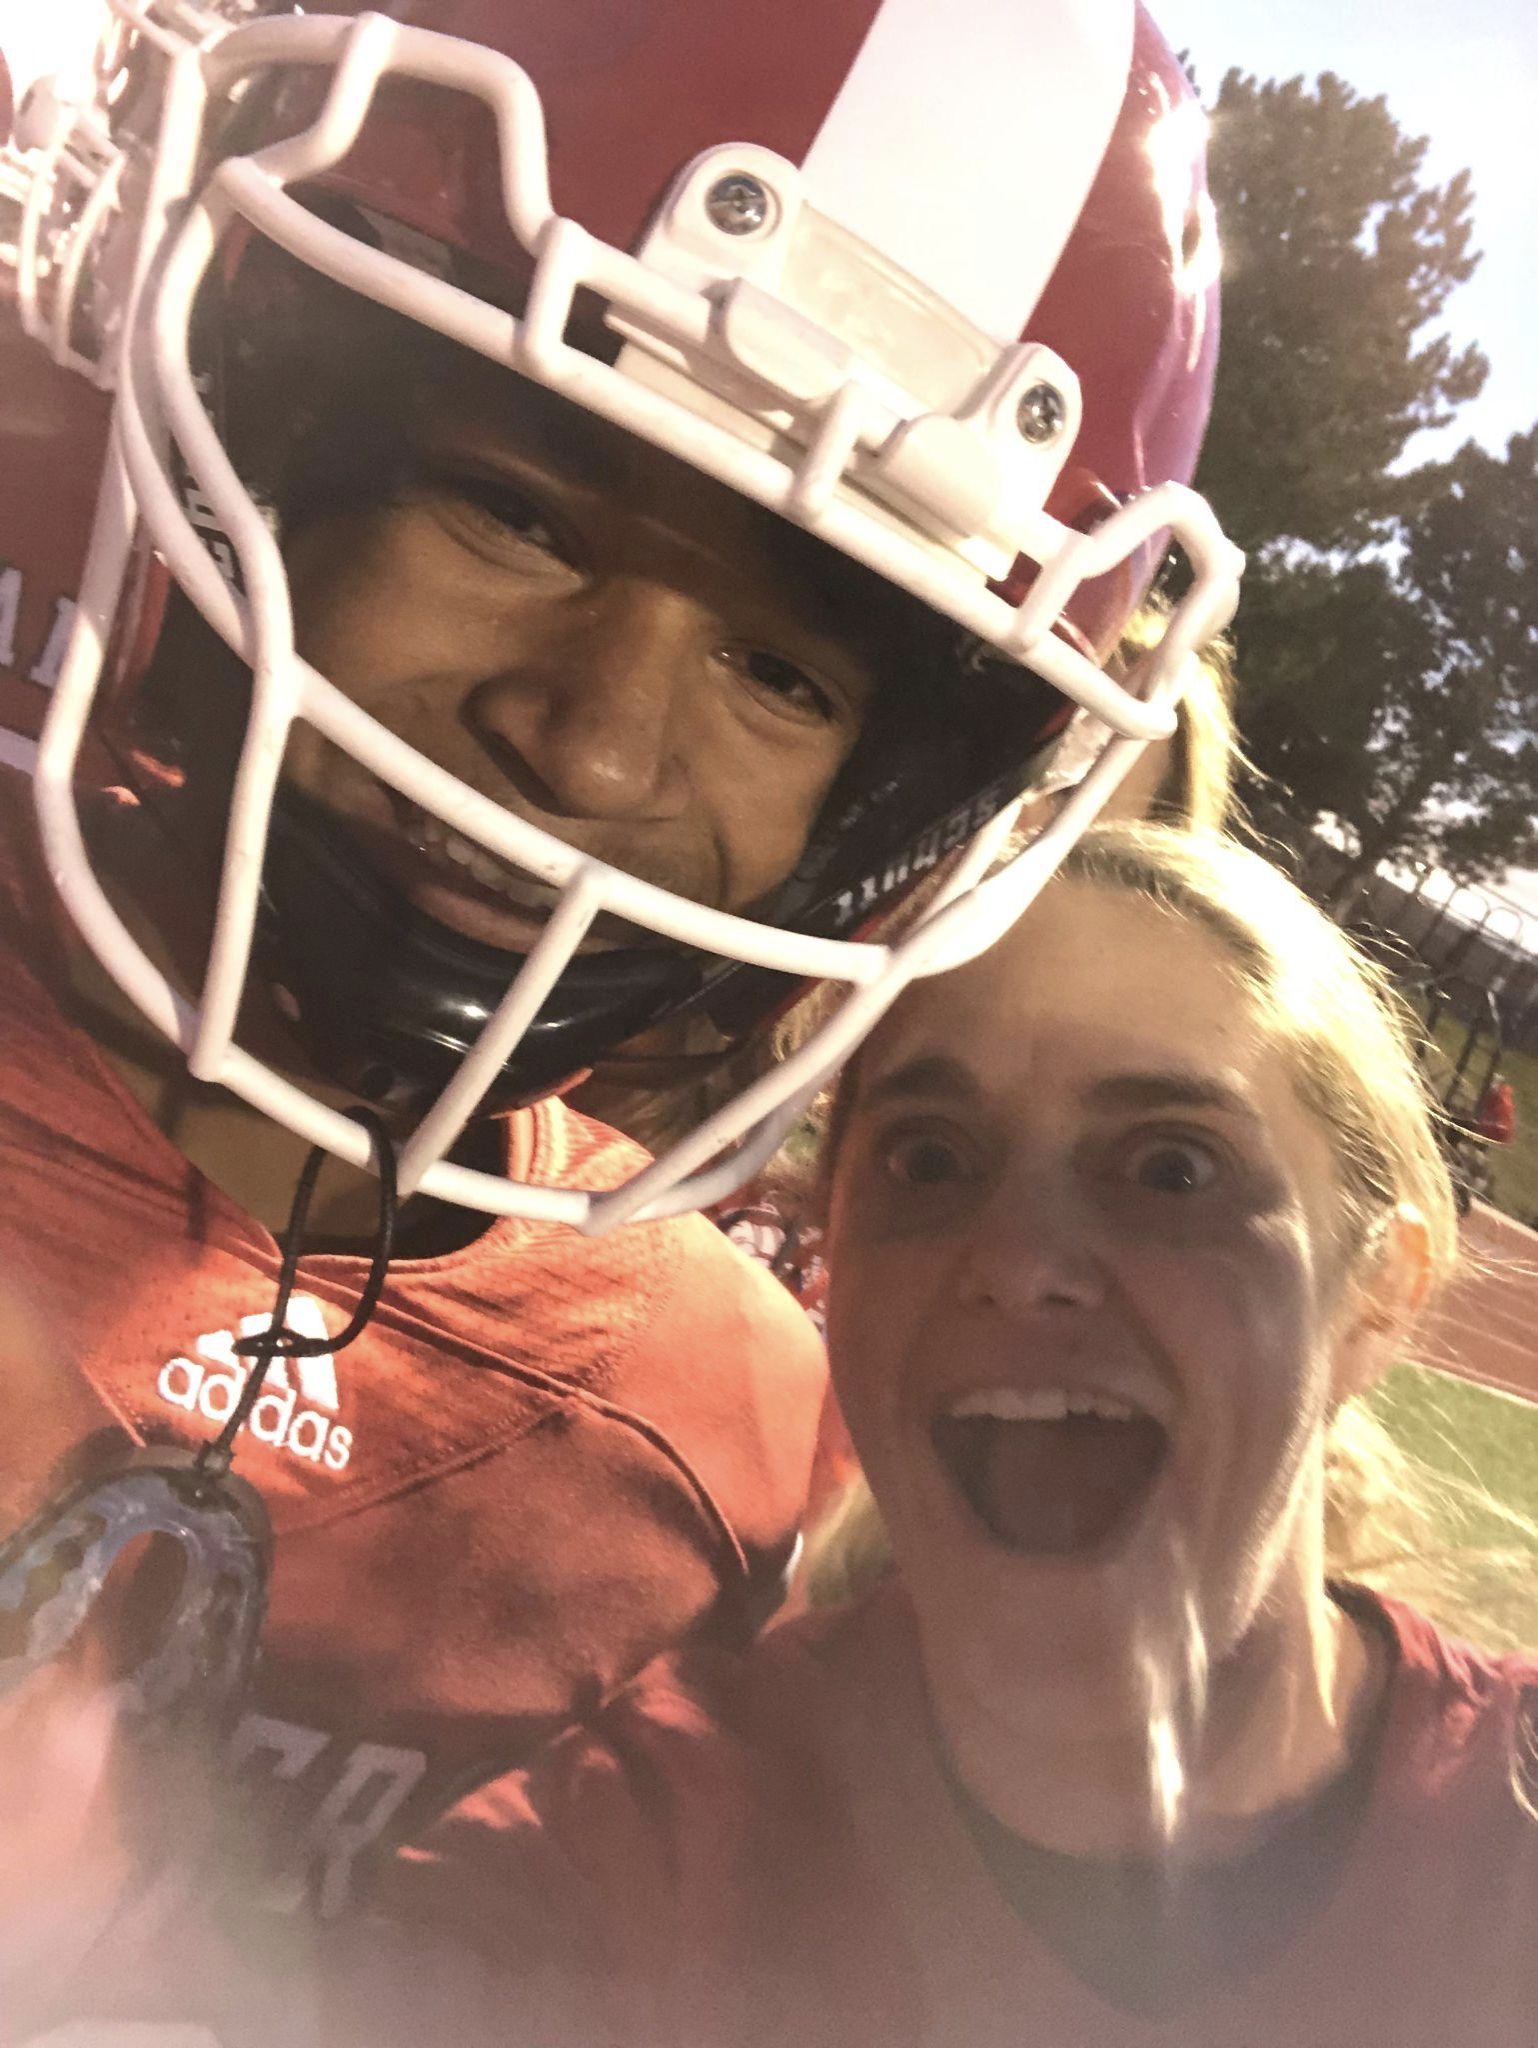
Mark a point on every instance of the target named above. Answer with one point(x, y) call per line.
point(935, 282)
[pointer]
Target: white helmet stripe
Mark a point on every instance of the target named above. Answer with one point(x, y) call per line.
point(952, 108)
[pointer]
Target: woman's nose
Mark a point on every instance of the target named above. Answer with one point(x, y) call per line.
point(600, 707)
point(1030, 1254)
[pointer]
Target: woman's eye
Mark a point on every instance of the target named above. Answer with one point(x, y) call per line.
point(1172, 1166)
point(921, 1159)
point(781, 681)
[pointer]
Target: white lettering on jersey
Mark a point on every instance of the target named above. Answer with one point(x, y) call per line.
point(291, 1747)
point(359, 1791)
point(356, 1812)
point(10, 607)
point(45, 669)
point(299, 1396)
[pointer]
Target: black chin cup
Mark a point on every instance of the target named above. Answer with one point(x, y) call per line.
point(390, 1000)
point(53, 1569)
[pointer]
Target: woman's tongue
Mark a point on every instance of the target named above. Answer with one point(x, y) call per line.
point(1051, 1489)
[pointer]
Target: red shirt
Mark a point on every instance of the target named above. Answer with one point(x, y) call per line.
point(763, 1851)
point(769, 1223)
point(547, 1459)
point(1496, 1117)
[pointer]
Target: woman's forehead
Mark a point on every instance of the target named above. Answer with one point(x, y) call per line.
point(1091, 980)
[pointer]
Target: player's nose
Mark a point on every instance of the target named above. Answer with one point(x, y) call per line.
point(598, 708)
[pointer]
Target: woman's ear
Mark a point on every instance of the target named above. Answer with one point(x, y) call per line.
point(1383, 1302)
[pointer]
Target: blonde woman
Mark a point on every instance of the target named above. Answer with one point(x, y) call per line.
point(1107, 1761)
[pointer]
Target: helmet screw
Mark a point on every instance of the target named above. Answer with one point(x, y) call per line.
point(1041, 414)
point(738, 203)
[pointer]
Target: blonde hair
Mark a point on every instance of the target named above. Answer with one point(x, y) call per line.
point(1349, 1044)
point(1197, 786)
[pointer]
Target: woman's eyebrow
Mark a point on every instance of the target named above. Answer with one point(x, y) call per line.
point(931, 1074)
point(1172, 1089)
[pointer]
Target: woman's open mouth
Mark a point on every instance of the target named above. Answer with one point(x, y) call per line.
point(1050, 1471)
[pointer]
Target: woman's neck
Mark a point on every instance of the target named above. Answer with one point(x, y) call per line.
point(1205, 1781)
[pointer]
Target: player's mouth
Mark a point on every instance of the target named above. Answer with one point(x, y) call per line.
point(462, 861)
point(1051, 1471)
point(469, 889)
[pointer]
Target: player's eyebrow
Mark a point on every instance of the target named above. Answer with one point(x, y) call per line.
point(571, 441)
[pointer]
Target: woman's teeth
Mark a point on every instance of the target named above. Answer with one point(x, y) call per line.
point(1049, 1471)
point(1040, 1404)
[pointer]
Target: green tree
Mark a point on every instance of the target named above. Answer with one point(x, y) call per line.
point(1399, 692)
point(1337, 260)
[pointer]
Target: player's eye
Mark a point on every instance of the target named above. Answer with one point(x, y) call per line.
point(780, 683)
point(512, 509)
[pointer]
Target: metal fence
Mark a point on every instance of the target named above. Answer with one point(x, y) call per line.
point(1470, 942)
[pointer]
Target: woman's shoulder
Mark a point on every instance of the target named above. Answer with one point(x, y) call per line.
point(710, 1749)
point(1438, 1658)
point(677, 1797)
point(1462, 1726)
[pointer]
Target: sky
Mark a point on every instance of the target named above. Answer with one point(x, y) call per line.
point(1470, 89)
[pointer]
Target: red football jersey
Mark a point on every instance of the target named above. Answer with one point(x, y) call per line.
point(768, 1221)
point(546, 1459)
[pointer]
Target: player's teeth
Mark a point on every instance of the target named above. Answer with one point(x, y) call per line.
point(432, 836)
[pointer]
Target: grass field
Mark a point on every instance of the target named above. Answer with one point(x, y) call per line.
point(1475, 1442)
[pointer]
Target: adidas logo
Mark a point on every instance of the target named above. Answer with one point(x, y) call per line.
point(298, 1403)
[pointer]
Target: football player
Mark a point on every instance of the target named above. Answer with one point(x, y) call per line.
point(600, 508)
